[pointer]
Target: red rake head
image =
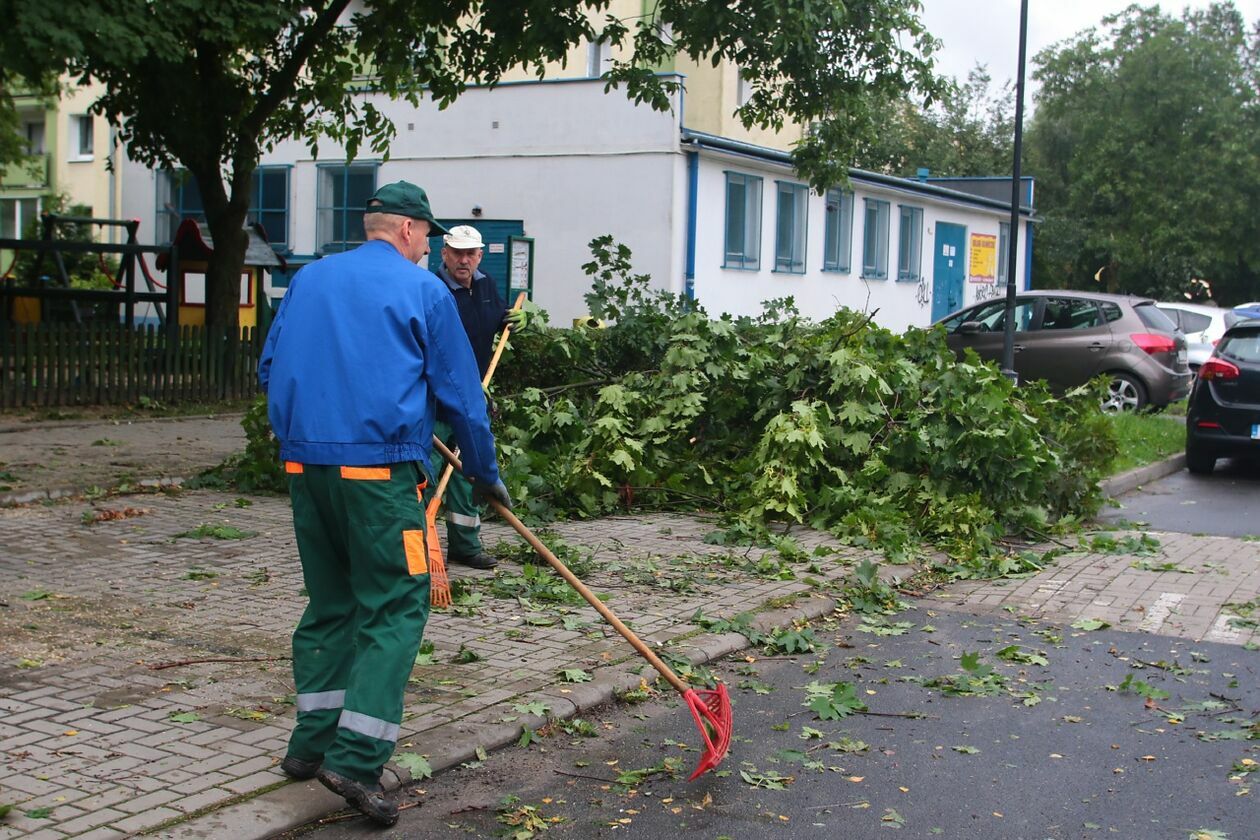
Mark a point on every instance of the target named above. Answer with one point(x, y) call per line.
point(712, 710)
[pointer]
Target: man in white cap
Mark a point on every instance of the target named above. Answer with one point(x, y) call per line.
point(483, 314)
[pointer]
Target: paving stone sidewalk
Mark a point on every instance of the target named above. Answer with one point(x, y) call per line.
point(1184, 588)
point(115, 716)
point(144, 685)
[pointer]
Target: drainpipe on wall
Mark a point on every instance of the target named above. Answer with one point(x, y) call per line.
point(693, 183)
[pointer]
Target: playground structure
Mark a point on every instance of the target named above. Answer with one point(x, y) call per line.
point(61, 345)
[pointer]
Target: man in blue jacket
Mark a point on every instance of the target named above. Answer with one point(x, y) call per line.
point(364, 347)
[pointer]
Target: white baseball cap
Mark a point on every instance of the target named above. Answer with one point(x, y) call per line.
point(463, 236)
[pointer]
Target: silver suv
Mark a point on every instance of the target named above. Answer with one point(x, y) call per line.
point(1068, 338)
point(1202, 325)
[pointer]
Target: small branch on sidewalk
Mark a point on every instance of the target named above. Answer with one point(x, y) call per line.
point(162, 666)
point(911, 715)
point(582, 776)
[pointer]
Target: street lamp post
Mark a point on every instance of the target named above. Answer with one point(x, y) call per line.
point(1008, 334)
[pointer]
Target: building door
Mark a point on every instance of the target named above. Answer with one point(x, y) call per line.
point(949, 269)
point(494, 260)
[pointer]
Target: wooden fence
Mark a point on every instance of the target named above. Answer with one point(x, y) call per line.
point(59, 364)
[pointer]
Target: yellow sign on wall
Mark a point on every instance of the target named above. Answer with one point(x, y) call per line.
point(983, 258)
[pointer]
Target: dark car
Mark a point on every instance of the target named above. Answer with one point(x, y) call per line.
point(1223, 418)
point(1068, 338)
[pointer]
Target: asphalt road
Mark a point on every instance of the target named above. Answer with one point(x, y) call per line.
point(1226, 503)
point(1083, 761)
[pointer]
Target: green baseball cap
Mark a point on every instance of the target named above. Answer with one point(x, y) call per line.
point(404, 199)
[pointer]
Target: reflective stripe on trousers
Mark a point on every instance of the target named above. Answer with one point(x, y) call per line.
point(316, 700)
point(382, 730)
point(462, 520)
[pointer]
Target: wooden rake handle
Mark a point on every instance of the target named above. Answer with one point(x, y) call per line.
point(682, 688)
point(485, 383)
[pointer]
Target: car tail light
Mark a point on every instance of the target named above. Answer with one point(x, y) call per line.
point(1208, 424)
point(1153, 343)
point(1215, 368)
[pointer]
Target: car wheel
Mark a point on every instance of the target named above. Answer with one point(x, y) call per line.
point(1124, 393)
point(1199, 461)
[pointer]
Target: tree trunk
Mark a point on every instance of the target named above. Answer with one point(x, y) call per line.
point(223, 276)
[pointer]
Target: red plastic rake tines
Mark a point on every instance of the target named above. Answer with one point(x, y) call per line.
point(711, 708)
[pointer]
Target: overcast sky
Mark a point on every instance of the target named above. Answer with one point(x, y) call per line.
point(987, 31)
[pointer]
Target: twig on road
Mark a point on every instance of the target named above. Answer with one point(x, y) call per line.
point(162, 666)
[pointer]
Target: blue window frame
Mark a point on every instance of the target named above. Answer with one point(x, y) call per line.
point(875, 240)
point(179, 198)
point(342, 192)
point(1003, 254)
point(743, 222)
point(791, 228)
point(269, 204)
point(910, 244)
point(838, 231)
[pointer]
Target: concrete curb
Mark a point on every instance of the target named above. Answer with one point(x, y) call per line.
point(1118, 485)
point(293, 805)
point(17, 498)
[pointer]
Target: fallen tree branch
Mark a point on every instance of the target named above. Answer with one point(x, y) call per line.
point(162, 666)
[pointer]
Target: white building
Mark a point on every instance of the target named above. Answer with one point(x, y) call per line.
point(561, 162)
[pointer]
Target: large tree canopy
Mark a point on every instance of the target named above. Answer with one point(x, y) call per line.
point(969, 131)
point(1146, 148)
point(210, 86)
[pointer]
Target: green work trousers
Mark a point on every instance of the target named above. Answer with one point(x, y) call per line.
point(463, 514)
point(360, 535)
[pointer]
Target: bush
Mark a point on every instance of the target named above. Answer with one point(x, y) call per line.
point(881, 439)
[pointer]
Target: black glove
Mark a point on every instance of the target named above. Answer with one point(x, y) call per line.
point(497, 491)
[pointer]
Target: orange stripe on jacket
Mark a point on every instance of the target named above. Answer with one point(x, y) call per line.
point(365, 473)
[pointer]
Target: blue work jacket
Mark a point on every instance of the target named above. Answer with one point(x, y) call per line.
point(481, 311)
point(363, 349)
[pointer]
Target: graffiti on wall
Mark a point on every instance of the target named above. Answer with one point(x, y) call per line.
point(923, 294)
point(988, 291)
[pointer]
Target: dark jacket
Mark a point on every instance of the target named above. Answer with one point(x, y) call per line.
point(481, 310)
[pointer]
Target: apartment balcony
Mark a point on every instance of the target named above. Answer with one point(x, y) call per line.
point(31, 173)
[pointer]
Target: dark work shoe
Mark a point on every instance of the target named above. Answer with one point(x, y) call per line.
point(299, 768)
point(370, 799)
point(480, 560)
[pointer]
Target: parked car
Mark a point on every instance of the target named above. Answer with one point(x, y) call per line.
point(1203, 327)
point(1223, 416)
point(1068, 338)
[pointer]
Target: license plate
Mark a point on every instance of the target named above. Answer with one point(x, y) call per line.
point(1255, 431)
point(1181, 357)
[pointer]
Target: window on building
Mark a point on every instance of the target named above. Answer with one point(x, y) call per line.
point(179, 198)
point(596, 55)
point(1004, 244)
point(875, 240)
point(34, 131)
point(910, 244)
point(791, 226)
point(743, 221)
point(269, 204)
point(341, 195)
point(743, 89)
point(81, 136)
point(16, 215)
point(838, 231)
